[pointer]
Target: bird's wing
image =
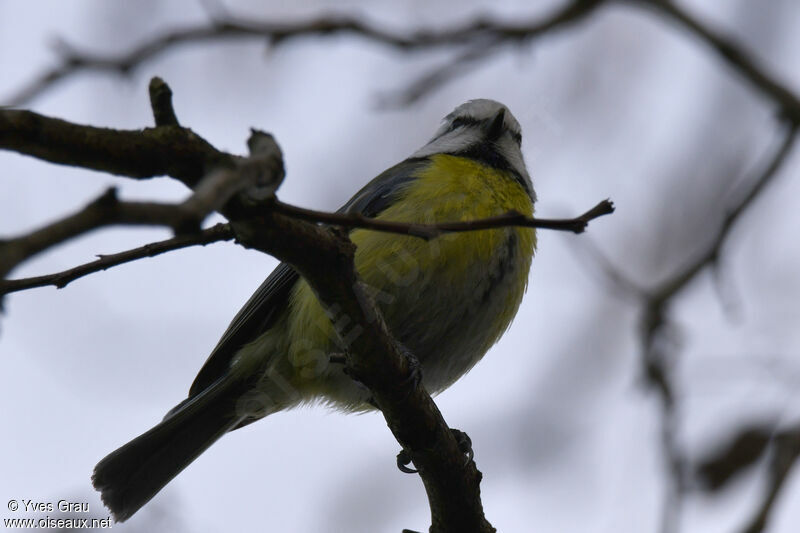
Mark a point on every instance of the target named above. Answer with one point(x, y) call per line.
point(254, 318)
point(265, 305)
point(379, 193)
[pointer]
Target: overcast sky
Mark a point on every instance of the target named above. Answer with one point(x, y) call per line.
point(623, 106)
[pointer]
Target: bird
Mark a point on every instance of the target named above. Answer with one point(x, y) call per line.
point(446, 300)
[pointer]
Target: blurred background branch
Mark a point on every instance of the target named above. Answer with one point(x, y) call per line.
point(479, 38)
point(659, 346)
point(486, 33)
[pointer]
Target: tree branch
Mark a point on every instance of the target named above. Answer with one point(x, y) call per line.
point(669, 288)
point(220, 191)
point(219, 232)
point(161, 103)
point(658, 349)
point(479, 38)
point(430, 231)
point(237, 187)
point(785, 453)
point(164, 150)
point(737, 57)
point(657, 345)
point(277, 33)
point(106, 210)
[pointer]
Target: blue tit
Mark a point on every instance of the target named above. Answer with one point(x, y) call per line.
point(447, 300)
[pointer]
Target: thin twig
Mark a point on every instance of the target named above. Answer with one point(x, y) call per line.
point(656, 336)
point(738, 57)
point(741, 451)
point(658, 353)
point(235, 186)
point(161, 103)
point(608, 272)
point(679, 280)
point(73, 62)
point(103, 211)
point(216, 233)
point(24, 247)
point(429, 231)
point(785, 454)
point(488, 31)
point(250, 180)
point(438, 75)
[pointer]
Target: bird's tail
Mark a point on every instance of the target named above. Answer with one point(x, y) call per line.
point(130, 476)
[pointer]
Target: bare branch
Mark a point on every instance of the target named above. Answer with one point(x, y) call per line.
point(679, 280)
point(658, 354)
point(739, 58)
point(429, 231)
point(784, 457)
point(161, 103)
point(237, 187)
point(743, 449)
point(106, 210)
point(230, 187)
point(73, 62)
point(658, 337)
point(480, 38)
point(438, 76)
point(216, 233)
point(165, 150)
point(750, 444)
point(656, 298)
point(609, 273)
point(251, 182)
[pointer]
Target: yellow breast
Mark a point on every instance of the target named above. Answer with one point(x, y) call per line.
point(429, 291)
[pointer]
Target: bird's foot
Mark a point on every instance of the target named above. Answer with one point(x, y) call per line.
point(403, 460)
point(414, 377)
point(464, 445)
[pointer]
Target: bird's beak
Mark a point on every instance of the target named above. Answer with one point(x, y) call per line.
point(496, 127)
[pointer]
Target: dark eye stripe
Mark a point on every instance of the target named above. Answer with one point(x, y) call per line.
point(463, 121)
point(470, 121)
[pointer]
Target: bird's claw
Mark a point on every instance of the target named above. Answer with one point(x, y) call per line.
point(403, 460)
point(464, 444)
point(414, 378)
point(337, 359)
